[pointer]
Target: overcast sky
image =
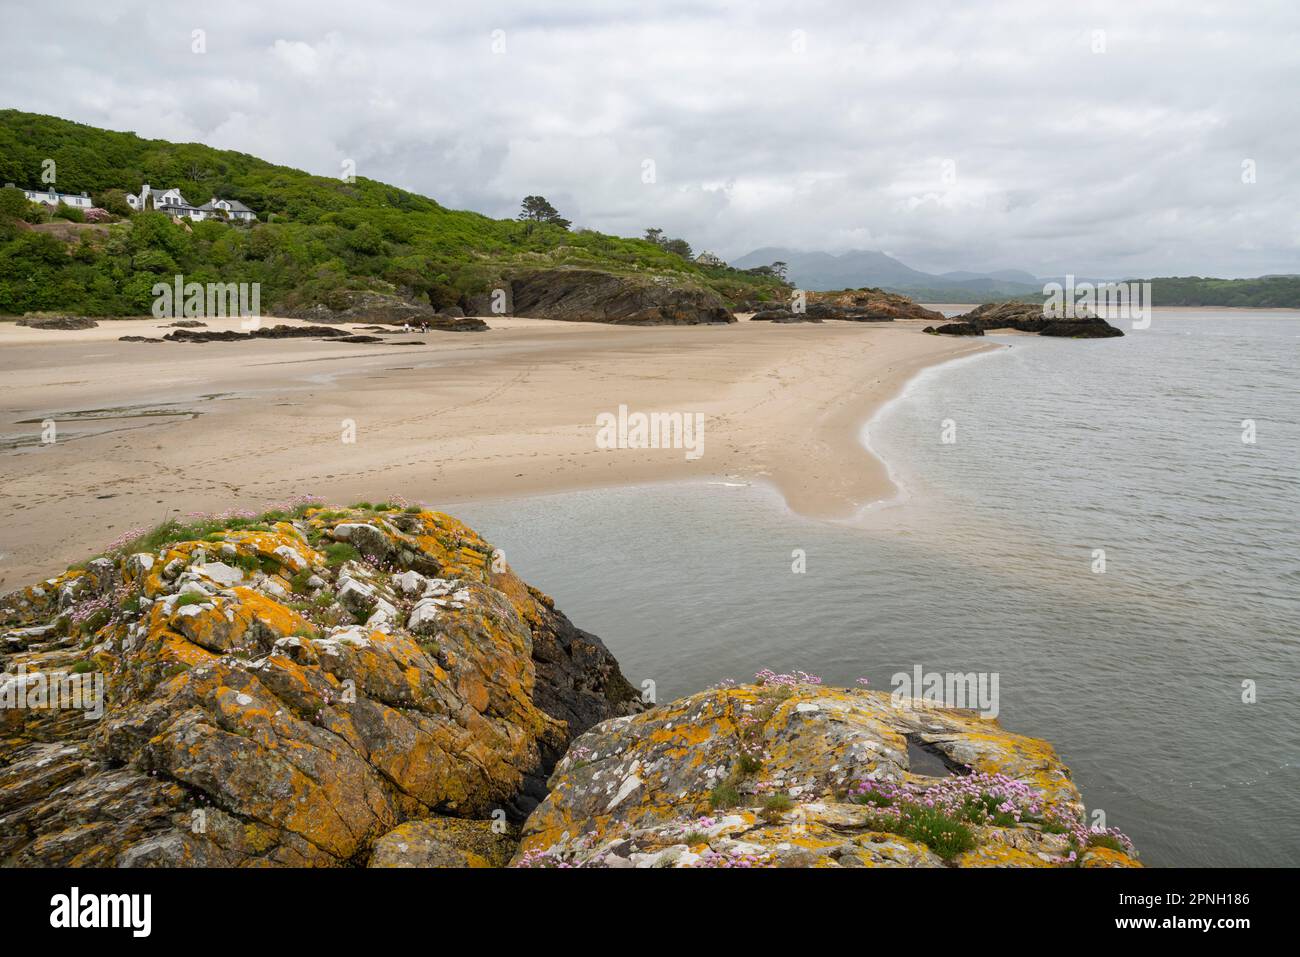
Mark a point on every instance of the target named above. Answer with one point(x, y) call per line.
point(951, 135)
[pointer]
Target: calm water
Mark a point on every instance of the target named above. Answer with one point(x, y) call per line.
point(1133, 446)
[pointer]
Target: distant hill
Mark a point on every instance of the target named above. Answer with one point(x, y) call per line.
point(862, 267)
point(1266, 292)
point(316, 235)
point(824, 271)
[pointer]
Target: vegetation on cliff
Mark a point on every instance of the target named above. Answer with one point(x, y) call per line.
point(318, 236)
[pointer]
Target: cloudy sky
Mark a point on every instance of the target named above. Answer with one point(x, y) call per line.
point(1100, 138)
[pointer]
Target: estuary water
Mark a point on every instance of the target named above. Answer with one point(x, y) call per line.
point(1112, 528)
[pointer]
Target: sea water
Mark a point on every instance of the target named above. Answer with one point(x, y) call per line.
point(1112, 528)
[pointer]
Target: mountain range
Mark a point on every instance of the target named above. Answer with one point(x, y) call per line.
point(822, 271)
point(864, 267)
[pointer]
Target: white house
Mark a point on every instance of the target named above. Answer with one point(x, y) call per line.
point(174, 203)
point(162, 199)
point(231, 208)
point(53, 197)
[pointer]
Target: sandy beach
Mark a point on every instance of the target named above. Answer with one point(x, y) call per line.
point(150, 431)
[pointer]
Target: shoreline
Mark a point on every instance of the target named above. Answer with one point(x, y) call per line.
point(150, 432)
point(897, 472)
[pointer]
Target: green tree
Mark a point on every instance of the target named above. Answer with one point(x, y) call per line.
point(13, 203)
point(538, 209)
point(113, 201)
point(678, 247)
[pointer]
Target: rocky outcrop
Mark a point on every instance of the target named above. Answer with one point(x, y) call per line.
point(955, 329)
point(788, 773)
point(783, 316)
point(1029, 317)
point(280, 331)
point(289, 690)
point(385, 309)
point(588, 295)
point(868, 305)
point(444, 842)
point(373, 686)
point(44, 321)
point(848, 305)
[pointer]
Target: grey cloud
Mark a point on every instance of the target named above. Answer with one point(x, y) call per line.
point(1122, 162)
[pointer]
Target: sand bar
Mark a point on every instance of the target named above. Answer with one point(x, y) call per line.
point(151, 431)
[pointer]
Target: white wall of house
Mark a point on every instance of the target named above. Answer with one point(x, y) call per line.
point(52, 198)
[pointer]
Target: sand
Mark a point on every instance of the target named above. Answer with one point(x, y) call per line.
point(151, 431)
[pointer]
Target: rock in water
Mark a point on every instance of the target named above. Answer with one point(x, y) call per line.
point(1029, 317)
point(265, 702)
point(801, 775)
point(588, 295)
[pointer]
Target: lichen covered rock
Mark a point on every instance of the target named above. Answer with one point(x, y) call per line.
point(795, 774)
point(284, 691)
point(444, 842)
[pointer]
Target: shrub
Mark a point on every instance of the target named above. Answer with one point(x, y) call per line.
point(339, 552)
point(943, 833)
point(724, 795)
point(71, 213)
point(1106, 840)
point(251, 564)
point(774, 805)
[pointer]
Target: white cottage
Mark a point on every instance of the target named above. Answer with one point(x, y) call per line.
point(53, 197)
point(230, 208)
point(164, 200)
point(174, 203)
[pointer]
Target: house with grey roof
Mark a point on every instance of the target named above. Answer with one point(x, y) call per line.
point(229, 208)
point(174, 203)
